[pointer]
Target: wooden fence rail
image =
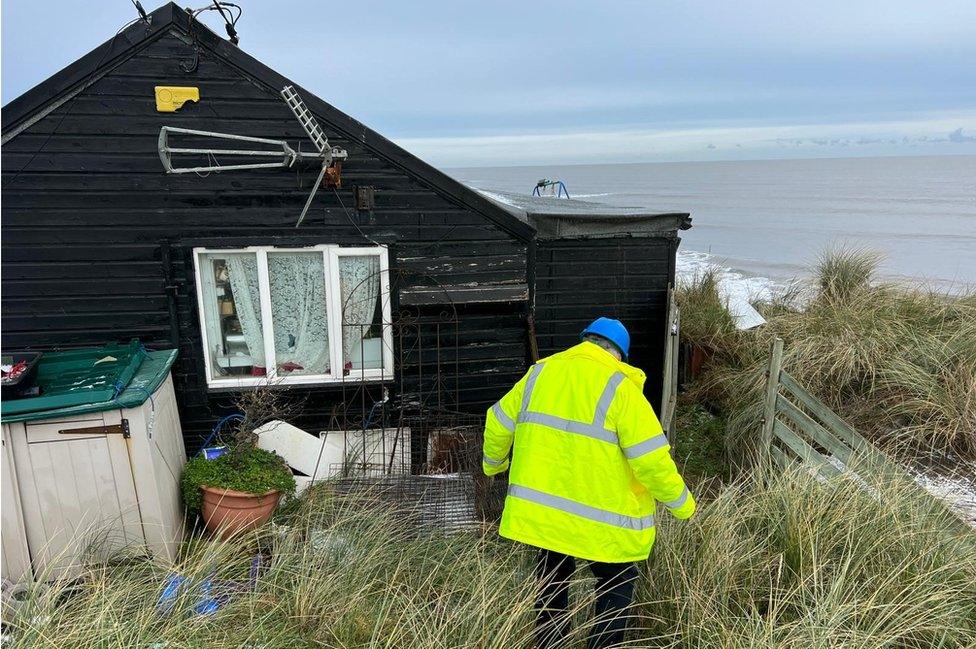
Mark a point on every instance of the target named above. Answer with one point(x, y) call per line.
point(799, 426)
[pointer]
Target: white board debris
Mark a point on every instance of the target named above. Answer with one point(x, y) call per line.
point(302, 451)
point(745, 316)
point(958, 491)
point(333, 453)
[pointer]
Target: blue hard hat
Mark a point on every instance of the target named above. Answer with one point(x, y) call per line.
point(612, 330)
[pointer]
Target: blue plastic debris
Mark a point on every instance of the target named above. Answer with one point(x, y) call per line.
point(171, 591)
point(213, 593)
point(213, 452)
point(207, 603)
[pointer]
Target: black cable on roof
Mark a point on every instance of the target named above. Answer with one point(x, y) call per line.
point(231, 21)
point(142, 12)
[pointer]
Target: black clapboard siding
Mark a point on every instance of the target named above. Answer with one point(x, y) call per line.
point(72, 305)
point(578, 280)
point(97, 239)
point(41, 251)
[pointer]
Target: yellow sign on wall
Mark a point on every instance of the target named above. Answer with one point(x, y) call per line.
point(169, 99)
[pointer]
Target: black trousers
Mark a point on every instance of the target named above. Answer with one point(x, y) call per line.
point(614, 594)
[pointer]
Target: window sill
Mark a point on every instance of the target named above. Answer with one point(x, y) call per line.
point(358, 378)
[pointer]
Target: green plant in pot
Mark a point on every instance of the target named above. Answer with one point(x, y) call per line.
point(239, 490)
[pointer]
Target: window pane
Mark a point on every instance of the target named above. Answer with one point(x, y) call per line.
point(232, 314)
point(298, 312)
point(362, 314)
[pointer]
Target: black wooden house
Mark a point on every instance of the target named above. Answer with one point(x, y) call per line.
point(452, 293)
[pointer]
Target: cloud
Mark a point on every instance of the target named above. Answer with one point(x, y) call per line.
point(957, 137)
point(650, 144)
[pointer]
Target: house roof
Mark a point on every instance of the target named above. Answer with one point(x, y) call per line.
point(48, 95)
point(564, 217)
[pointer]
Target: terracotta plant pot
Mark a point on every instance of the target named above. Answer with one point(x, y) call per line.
point(227, 512)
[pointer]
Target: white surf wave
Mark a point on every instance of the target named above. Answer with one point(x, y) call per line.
point(498, 198)
point(733, 283)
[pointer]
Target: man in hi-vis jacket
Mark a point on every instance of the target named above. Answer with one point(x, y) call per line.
point(587, 459)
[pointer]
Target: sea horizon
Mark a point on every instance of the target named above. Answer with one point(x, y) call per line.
point(450, 169)
point(761, 224)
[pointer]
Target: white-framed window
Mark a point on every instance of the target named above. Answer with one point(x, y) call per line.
point(294, 315)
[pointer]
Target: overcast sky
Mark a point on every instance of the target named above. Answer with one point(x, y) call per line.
point(503, 83)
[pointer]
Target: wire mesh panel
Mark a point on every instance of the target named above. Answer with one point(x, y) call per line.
point(402, 446)
point(368, 453)
point(426, 504)
point(427, 470)
point(452, 445)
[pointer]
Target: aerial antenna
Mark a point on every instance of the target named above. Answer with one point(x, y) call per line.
point(277, 153)
point(315, 133)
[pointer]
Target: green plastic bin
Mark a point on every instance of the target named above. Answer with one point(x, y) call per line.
point(80, 376)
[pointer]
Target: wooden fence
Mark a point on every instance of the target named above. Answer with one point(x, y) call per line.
point(798, 426)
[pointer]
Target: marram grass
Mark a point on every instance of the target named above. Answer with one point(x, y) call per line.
point(897, 362)
point(775, 561)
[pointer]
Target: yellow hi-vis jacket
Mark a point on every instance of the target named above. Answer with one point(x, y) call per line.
point(588, 458)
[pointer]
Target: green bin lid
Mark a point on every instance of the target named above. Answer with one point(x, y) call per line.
point(89, 380)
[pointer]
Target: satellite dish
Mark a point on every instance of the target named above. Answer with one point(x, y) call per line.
point(280, 153)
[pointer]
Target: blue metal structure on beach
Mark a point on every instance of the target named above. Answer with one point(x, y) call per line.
point(546, 187)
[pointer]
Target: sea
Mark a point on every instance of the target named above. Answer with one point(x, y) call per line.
point(761, 225)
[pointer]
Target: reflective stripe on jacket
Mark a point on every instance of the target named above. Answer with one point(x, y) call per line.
point(588, 458)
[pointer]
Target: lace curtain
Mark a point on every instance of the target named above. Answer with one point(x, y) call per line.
point(359, 280)
point(243, 275)
point(298, 307)
point(298, 312)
